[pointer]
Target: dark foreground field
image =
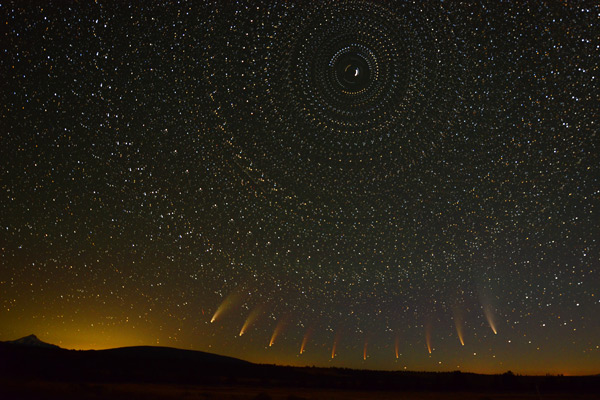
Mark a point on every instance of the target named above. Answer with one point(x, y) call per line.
point(30, 369)
point(65, 390)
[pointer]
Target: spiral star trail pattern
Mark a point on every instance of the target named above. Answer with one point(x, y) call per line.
point(384, 185)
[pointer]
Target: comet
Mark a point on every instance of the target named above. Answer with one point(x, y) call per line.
point(397, 345)
point(305, 339)
point(252, 317)
point(333, 350)
point(428, 337)
point(365, 350)
point(493, 327)
point(336, 339)
point(278, 328)
point(490, 318)
point(217, 313)
point(460, 334)
point(226, 304)
point(458, 324)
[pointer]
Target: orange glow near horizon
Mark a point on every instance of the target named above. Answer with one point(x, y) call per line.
point(95, 339)
point(72, 337)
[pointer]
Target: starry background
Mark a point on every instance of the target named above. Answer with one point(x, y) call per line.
point(182, 175)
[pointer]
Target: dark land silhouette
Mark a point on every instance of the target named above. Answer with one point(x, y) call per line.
point(30, 368)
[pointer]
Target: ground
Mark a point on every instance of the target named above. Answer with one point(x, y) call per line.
point(67, 390)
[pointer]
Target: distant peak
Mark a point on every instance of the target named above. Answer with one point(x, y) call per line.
point(32, 340)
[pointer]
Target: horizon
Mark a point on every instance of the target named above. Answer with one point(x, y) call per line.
point(362, 183)
point(304, 365)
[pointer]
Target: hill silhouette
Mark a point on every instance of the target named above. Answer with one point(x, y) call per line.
point(30, 357)
point(29, 360)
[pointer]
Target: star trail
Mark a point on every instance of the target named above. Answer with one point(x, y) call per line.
point(365, 184)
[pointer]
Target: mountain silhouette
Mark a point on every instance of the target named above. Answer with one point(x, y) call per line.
point(29, 359)
point(32, 341)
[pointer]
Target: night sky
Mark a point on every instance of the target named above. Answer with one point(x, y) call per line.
point(382, 185)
